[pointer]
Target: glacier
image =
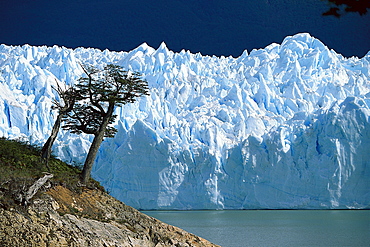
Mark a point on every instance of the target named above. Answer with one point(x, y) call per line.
point(284, 127)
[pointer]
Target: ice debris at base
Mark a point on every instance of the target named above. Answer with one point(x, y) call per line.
point(286, 126)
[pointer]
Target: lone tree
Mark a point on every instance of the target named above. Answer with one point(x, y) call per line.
point(98, 94)
point(65, 104)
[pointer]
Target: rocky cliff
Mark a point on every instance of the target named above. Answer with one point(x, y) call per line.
point(61, 217)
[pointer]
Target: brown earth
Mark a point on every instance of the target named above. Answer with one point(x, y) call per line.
point(60, 217)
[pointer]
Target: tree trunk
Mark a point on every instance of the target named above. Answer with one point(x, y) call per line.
point(46, 149)
point(94, 148)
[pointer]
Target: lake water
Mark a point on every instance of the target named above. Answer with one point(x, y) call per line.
point(239, 228)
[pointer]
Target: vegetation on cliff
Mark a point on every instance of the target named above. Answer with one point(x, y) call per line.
point(20, 167)
point(64, 212)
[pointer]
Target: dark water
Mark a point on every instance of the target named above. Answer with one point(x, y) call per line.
point(274, 227)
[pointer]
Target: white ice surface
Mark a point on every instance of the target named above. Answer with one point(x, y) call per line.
point(286, 126)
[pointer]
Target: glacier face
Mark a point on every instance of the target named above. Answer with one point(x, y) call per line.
point(287, 126)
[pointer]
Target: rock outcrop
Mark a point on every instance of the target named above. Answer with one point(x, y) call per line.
point(60, 217)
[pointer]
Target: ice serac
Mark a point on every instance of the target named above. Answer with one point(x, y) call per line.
point(287, 126)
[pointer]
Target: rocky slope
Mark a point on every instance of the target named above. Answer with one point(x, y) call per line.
point(60, 217)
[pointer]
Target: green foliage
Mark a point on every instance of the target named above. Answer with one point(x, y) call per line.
point(20, 167)
point(19, 160)
point(97, 93)
point(17, 156)
point(123, 87)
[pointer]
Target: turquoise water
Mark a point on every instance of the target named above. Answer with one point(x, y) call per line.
point(274, 227)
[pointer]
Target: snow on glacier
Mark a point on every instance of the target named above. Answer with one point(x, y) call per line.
point(286, 126)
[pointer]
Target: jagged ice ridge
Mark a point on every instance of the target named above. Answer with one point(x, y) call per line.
point(286, 126)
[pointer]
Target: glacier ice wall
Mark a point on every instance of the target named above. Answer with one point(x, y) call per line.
point(286, 126)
